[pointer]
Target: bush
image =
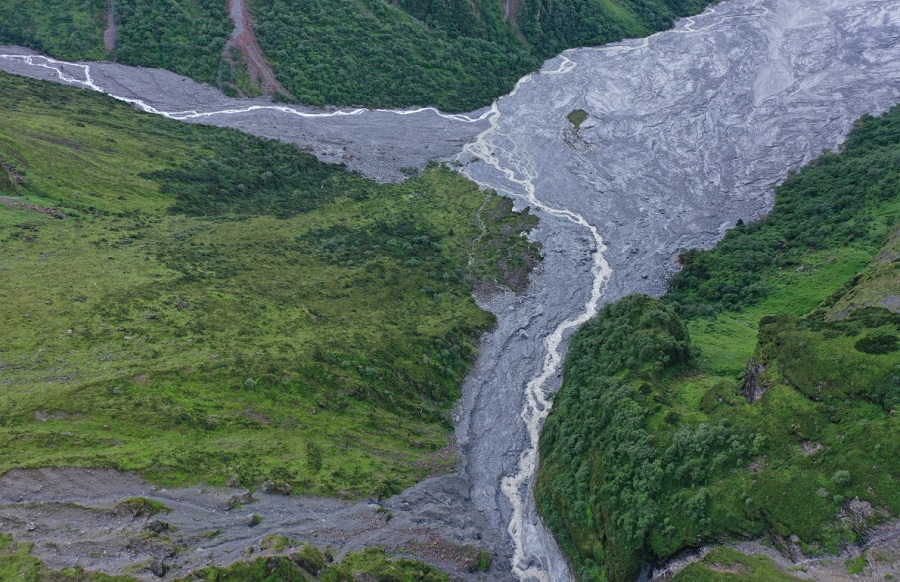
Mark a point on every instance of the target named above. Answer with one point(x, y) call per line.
point(841, 478)
point(309, 558)
point(880, 343)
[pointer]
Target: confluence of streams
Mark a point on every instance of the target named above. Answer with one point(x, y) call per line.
point(522, 173)
point(515, 487)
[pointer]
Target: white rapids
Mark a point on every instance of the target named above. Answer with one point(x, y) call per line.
point(522, 173)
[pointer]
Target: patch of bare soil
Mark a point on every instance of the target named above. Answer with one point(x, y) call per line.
point(244, 40)
point(109, 35)
point(736, 569)
point(511, 11)
point(52, 213)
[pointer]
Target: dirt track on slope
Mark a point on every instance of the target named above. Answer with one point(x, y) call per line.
point(244, 40)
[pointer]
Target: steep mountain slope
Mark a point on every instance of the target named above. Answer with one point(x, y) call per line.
point(457, 55)
point(196, 304)
point(758, 397)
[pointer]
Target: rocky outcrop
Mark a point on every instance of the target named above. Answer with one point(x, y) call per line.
point(755, 384)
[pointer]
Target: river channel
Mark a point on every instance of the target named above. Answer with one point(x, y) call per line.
point(686, 132)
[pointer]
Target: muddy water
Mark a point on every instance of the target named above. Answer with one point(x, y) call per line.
point(686, 133)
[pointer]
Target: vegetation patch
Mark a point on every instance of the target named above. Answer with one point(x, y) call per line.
point(856, 565)
point(742, 403)
point(17, 563)
point(576, 117)
point(222, 308)
point(723, 564)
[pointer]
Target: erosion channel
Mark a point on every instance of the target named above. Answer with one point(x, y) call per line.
point(681, 135)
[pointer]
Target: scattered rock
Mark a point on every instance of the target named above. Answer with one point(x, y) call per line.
point(859, 514)
point(52, 213)
point(758, 463)
point(277, 487)
point(44, 416)
point(810, 448)
point(754, 386)
point(158, 568)
point(240, 499)
point(158, 526)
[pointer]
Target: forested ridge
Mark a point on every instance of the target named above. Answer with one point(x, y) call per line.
point(757, 398)
point(454, 54)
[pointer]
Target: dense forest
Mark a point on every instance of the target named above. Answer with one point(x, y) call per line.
point(454, 54)
point(270, 317)
point(757, 398)
point(185, 36)
point(67, 30)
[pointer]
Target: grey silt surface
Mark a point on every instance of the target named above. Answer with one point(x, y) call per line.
point(376, 143)
point(686, 134)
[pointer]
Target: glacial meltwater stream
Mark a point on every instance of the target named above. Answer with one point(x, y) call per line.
point(686, 132)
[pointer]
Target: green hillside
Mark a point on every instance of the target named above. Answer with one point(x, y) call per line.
point(757, 398)
point(454, 54)
point(727, 565)
point(196, 304)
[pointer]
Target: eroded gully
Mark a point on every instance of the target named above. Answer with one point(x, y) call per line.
point(687, 131)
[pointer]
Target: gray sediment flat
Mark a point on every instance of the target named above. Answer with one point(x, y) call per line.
point(687, 132)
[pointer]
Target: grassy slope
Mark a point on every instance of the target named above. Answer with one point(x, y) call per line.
point(724, 564)
point(224, 308)
point(646, 452)
point(454, 54)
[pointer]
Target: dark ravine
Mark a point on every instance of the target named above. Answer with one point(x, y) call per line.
point(686, 133)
